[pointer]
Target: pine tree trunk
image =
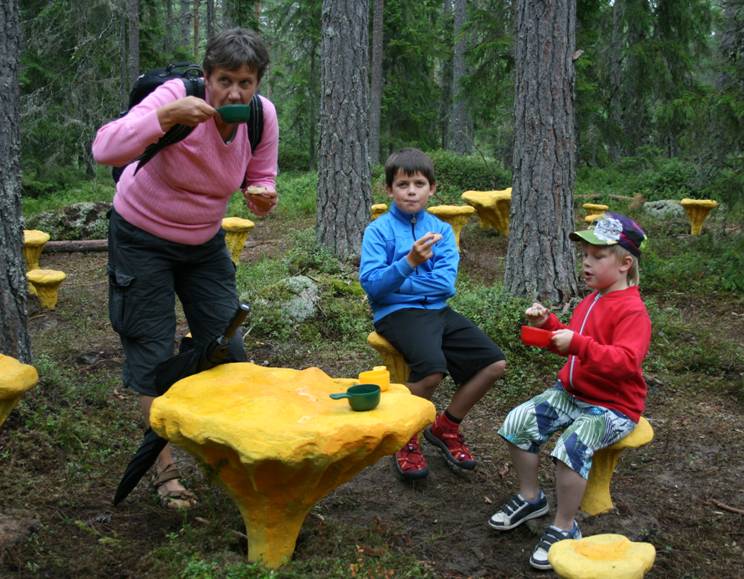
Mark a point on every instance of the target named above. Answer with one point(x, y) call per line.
point(615, 68)
point(196, 30)
point(210, 19)
point(14, 338)
point(168, 44)
point(376, 82)
point(460, 122)
point(185, 20)
point(540, 261)
point(133, 41)
point(344, 190)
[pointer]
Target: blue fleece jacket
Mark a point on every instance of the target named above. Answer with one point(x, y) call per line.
point(390, 282)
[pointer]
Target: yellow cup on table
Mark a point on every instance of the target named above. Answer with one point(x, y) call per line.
point(378, 375)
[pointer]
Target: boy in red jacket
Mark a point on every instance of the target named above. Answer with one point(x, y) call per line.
point(600, 393)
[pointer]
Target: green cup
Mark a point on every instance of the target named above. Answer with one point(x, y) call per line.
point(235, 113)
point(361, 397)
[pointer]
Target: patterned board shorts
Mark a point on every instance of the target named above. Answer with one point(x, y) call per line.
point(588, 428)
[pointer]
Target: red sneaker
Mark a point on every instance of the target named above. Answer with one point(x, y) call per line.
point(445, 435)
point(410, 462)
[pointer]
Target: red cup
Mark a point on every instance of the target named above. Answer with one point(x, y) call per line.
point(535, 336)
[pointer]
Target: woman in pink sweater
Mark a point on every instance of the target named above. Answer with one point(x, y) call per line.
point(165, 236)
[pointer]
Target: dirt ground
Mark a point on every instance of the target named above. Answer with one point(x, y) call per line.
point(673, 493)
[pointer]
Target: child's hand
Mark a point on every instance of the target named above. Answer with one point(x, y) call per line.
point(422, 249)
point(561, 339)
point(537, 314)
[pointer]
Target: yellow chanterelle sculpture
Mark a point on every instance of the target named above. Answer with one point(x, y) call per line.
point(15, 379)
point(278, 443)
point(601, 557)
point(492, 206)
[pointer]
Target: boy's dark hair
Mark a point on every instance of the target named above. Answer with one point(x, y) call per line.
point(410, 161)
point(234, 47)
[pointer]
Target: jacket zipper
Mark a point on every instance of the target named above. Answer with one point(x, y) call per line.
point(581, 331)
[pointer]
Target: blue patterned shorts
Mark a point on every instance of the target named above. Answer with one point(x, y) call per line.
point(586, 428)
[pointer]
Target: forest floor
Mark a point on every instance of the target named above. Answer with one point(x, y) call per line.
point(57, 520)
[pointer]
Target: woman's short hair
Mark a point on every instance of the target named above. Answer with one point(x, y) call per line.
point(233, 48)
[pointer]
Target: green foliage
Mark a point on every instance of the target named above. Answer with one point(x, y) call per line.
point(457, 173)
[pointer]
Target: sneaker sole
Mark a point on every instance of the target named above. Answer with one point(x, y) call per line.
point(442, 448)
point(410, 475)
point(534, 515)
point(540, 566)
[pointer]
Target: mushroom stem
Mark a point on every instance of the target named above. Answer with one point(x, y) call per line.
point(391, 358)
point(236, 232)
point(376, 210)
point(697, 212)
point(456, 215)
point(46, 284)
point(597, 498)
point(492, 206)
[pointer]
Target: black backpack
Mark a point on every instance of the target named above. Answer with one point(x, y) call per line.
point(193, 79)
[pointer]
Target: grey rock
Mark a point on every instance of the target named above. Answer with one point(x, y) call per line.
point(664, 208)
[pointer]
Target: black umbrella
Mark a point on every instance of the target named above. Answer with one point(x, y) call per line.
point(188, 361)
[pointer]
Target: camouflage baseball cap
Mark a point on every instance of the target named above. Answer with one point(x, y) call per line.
point(614, 229)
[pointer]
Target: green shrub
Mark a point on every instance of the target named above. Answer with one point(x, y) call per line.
point(458, 173)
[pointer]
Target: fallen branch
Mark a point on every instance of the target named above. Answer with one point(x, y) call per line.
point(79, 245)
point(726, 507)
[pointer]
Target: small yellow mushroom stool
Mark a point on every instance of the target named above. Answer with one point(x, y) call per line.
point(33, 244)
point(594, 211)
point(456, 215)
point(236, 232)
point(15, 379)
point(597, 497)
point(492, 207)
point(376, 210)
point(393, 359)
point(46, 284)
point(697, 211)
point(607, 556)
point(278, 443)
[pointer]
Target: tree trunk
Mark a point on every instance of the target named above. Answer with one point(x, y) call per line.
point(196, 30)
point(344, 189)
point(210, 19)
point(168, 44)
point(123, 80)
point(615, 70)
point(540, 261)
point(185, 21)
point(460, 122)
point(445, 104)
point(133, 63)
point(376, 84)
point(14, 338)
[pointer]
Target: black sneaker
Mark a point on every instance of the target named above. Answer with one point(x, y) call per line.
point(516, 511)
point(539, 557)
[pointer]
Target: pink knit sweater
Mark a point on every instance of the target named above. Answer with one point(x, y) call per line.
point(181, 194)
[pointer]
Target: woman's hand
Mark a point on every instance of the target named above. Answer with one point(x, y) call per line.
point(260, 200)
point(537, 314)
point(189, 111)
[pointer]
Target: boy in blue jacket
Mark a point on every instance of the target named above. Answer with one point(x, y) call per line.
point(408, 269)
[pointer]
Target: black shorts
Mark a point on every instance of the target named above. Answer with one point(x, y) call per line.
point(433, 341)
point(146, 273)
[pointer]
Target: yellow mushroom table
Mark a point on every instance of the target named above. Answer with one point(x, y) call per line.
point(236, 232)
point(15, 379)
point(278, 443)
point(607, 556)
point(697, 211)
point(376, 210)
point(492, 207)
point(456, 215)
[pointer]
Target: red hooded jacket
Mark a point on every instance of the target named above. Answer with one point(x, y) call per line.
point(612, 333)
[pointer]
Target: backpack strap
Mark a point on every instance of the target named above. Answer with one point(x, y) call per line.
point(194, 87)
point(255, 128)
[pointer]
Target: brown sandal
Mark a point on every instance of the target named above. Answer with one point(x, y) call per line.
point(172, 499)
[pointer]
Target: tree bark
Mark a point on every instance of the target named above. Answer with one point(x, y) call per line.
point(344, 189)
point(196, 30)
point(133, 60)
point(185, 20)
point(168, 44)
point(460, 122)
point(210, 19)
point(615, 72)
point(540, 261)
point(376, 82)
point(14, 338)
